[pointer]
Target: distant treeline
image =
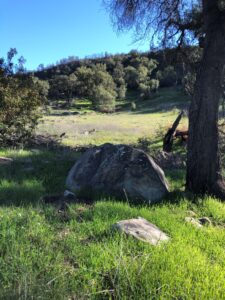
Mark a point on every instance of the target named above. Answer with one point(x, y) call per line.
point(105, 79)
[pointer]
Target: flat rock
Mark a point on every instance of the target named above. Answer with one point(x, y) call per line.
point(5, 160)
point(118, 171)
point(193, 221)
point(191, 213)
point(198, 222)
point(142, 230)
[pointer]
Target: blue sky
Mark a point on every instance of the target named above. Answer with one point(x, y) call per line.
point(44, 31)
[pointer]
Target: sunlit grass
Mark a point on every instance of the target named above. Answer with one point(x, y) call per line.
point(49, 254)
point(45, 254)
point(124, 126)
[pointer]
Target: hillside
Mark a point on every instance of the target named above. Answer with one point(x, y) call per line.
point(109, 80)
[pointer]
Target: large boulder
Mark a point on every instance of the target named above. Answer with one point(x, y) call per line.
point(118, 171)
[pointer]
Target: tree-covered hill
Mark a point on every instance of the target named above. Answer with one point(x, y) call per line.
point(107, 78)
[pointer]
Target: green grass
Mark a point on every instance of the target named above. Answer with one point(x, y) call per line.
point(45, 254)
point(124, 126)
point(48, 254)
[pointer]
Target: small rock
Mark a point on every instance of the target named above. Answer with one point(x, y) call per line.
point(142, 230)
point(205, 221)
point(68, 195)
point(5, 160)
point(193, 221)
point(191, 213)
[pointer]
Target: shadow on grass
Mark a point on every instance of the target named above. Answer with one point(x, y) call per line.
point(166, 100)
point(34, 173)
point(38, 172)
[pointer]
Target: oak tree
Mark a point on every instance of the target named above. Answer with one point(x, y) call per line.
point(182, 22)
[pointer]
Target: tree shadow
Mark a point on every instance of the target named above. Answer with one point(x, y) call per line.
point(160, 108)
point(42, 170)
point(166, 100)
point(34, 173)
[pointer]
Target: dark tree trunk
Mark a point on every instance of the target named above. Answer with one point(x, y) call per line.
point(168, 138)
point(203, 162)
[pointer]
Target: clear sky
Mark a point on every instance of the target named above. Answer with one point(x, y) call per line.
point(44, 31)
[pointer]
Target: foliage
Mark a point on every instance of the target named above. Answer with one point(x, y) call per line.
point(43, 86)
point(104, 101)
point(85, 81)
point(97, 84)
point(132, 71)
point(133, 106)
point(21, 97)
point(132, 77)
point(167, 77)
point(63, 87)
point(138, 76)
point(148, 88)
point(118, 75)
point(121, 91)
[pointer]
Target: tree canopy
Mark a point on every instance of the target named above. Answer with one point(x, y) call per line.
point(167, 22)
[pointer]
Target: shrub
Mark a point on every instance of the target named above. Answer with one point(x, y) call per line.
point(148, 88)
point(167, 77)
point(104, 101)
point(145, 91)
point(21, 97)
point(154, 84)
point(132, 77)
point(97, 84)
point(119, 79)
point(121, 92)
point(63, 87)
point(133, 106)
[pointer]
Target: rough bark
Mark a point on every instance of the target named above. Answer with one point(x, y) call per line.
point(203, 161)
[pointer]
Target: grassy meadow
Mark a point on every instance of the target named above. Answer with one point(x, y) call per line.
point(46, 253)
point(125, 126)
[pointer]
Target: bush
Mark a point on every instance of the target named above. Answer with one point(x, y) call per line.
point(167, 77)
point(133, 106)
point(104, 101)
point(121, 92)
point(119, 79)
point(132, 77)
point(154, 84)
point(147, 89)
point(21, 97)
point(90, 78)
